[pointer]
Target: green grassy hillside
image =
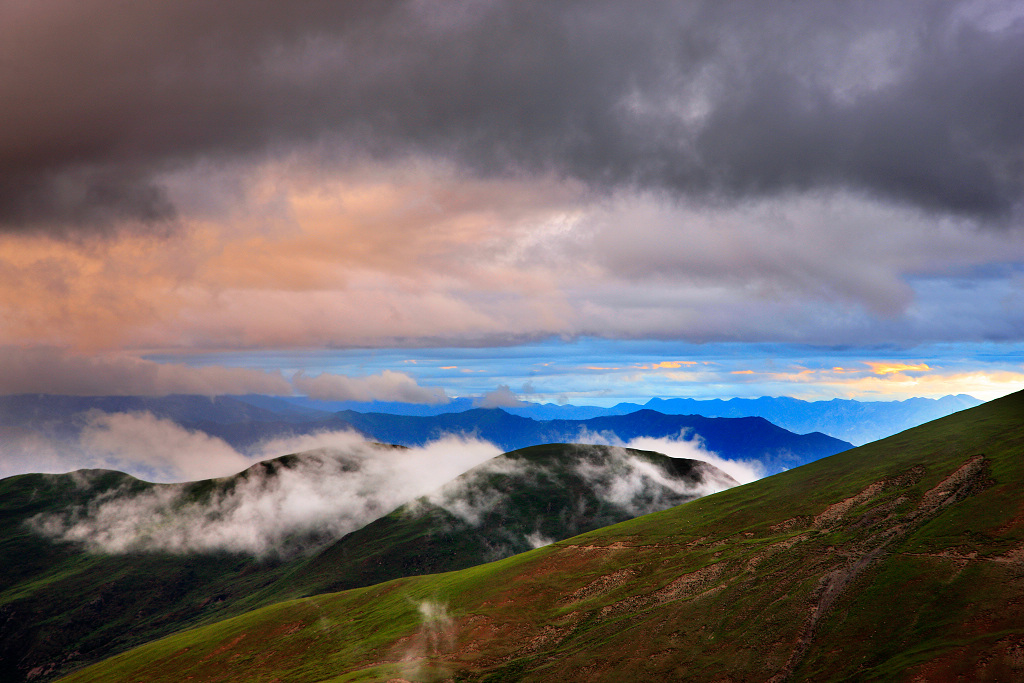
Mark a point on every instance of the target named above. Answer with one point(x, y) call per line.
point(508, 505)
point(900, 560)
point(64, 604)
point(61, 605)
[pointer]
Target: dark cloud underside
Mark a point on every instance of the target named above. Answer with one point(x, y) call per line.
point(916, 102)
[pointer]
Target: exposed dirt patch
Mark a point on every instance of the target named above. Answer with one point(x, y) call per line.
point(524, 639)
point(550, 635)
point(1014, 648)
point(689, 584)
point(602, 584)
point(686, 586)
point(617, 545)
point(225, 647)
point(1013, 556)
point(968, 479)
point(778, 546)
point(790, 524)
point(834, 513)
point(288, 629)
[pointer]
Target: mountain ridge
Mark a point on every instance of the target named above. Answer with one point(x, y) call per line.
point(851, 420)
point(97, 561)
point(788, 578)
point(746, 438)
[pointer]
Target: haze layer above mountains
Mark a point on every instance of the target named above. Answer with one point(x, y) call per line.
point(61, 433)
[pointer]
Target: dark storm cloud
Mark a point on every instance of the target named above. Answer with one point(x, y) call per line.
point(916, 102)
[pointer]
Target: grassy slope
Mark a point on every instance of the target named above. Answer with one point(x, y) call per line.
point(899, 559)
point(545, 494)
point(61, 607)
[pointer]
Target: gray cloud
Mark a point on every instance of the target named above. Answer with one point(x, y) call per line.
point(387, 386)
point(50, 370)
point(912, 102)
point(157, 446)
point(502, 397)
point(58, 371)
point(139, 443)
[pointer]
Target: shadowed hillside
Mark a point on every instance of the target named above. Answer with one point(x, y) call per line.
point(900, 560)
point(97, 561)
point(524, 499)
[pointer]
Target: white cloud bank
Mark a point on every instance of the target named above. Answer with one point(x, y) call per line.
point(625, 484)
point(340, 484)
point(683, 446)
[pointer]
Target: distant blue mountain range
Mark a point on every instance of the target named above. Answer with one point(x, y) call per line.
point(858, 422)
point(780, 432)
point(247, 422)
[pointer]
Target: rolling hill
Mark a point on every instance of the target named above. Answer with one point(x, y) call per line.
point(902, 560)
point(510, 504)
point(98, 561)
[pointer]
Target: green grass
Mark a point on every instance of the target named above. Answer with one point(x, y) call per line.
point(918, 608)
point(67, 607)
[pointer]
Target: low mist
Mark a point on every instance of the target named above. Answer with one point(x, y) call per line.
point(639, 486)
point(138, 443)
point(684, 445)
point(339, 484)
point(593, 487)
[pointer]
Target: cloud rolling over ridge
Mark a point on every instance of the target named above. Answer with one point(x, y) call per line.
point(275, 508)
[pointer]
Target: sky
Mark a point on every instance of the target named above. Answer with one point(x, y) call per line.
point(581, 201)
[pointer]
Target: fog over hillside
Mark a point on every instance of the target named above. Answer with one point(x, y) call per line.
point(283, 506)
point(273, 507)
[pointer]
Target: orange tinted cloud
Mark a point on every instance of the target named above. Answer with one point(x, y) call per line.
point(866, 384)
point(667, 365)
point(330, 264)
point(90, 294)
point(888, 368)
